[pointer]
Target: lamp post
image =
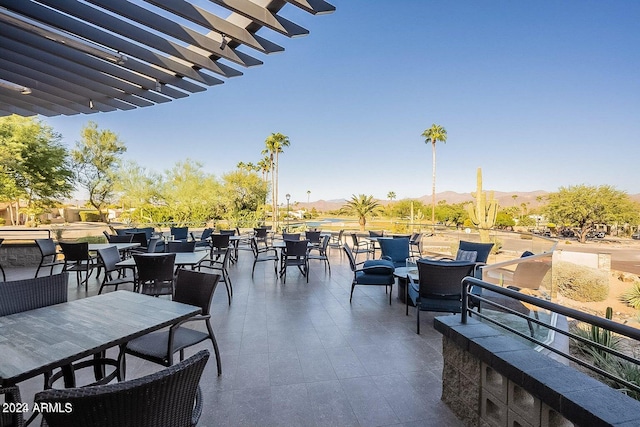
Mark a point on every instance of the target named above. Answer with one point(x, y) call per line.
point(288, 196)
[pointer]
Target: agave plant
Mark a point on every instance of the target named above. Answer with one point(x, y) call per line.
point(632, 296)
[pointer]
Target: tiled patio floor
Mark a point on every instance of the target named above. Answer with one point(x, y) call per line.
point(298, 354)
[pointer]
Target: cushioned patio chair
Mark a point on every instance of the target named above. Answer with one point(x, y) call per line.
point(168, 398)
point(378, 272)
point(394, 250)
point(193, 288)
point(439, 286)
point(180, 233)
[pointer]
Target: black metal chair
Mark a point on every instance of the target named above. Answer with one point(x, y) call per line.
point(415, 244)
point(439, 286)
point(168, 398)
point(203, 240)
point(155, 273)
point(219, 259)
point(49, 254)
point(313, 237)
point(149, 249)
point(336, 241)
point(139, 237)
point(109, 257)
point(78, 259)
point(261, 235)
point(194, 288)
point(373, 244)
point(321, 254)
point(261, 254)
point(290, 236)
point(360, 247)
point(295, 254)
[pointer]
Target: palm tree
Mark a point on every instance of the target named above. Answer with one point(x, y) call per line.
point(361, 206)
point(391, 195)
point(432, 135)
point(274, 146)
point(308, 195)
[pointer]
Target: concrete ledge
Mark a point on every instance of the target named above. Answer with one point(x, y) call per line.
point(572, 394)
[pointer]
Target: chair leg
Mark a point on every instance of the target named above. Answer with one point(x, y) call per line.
point(353, 285)
point(390, 293)
point(4, 278)
point(418, 319)
point(216, 350)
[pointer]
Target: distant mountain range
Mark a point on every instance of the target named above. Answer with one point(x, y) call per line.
point(504, 199)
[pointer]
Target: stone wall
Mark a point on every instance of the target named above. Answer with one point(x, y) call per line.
point(492, 380)
point(19, 255)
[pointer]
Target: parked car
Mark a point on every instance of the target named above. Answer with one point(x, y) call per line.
point(636, 235)
point(595, 235)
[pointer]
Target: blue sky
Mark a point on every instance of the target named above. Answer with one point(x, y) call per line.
point(538, 94)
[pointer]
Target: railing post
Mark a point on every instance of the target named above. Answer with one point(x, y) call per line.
point(465, 300)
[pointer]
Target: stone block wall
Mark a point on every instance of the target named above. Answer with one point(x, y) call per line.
point(19, 255)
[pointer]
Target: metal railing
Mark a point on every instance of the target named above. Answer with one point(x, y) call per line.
point(472, 298)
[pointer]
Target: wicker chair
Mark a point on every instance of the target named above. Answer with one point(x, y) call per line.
point(180, 233)
point(168, 398)
point(155, 273)
point(194, 288)
point(181, 246)
point(13, 418)
point(322, 252)
point(295, 254)
point(219, 259)
point(28, 294)
point(264, 253)
point(78, 259)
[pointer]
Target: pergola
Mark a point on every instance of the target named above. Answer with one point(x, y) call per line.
point(64, 57)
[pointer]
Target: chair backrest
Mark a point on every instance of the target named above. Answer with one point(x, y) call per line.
point(155, 267)
point(261, 233)
point(354, 238)
point(139, 237)
point(463, 255)
point(47, 247)
point(397, 250)
point(179, 246)
point(483, 249)
point(376, 233)
point(163, 399)
point(230, 232)
point(109, 256)
point(324, 244)
point(127, 238)
point(23, 295)
point(290, 236)
point(153, 242)
point(296, 248)
point(312, 236)
point(123, 231)
point(75, 251)
point(220, 241)
point(352, 260)
point(196, 288)
point(180, 233)
point(443, 279)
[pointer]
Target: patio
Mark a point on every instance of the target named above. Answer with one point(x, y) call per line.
point(299, 354)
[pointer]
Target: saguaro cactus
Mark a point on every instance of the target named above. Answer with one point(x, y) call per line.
point(483, 214)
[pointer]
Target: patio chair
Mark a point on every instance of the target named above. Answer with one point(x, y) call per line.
point(109, 257)
point(78, 259)
point(415, 244)
point(394, 250)
point(219, 261)
point(193, 288)
point(378, 272)
point(180, 233)
point(261, 254)
point(439, 286)
point(49, 255)
point(155, 273)
point(203, 241)
point(295, 254)
point(336, 241)
point(322, 252)
point(28, 294)
point(11, 418)
point(261, 235)
point(114, 238)
point(168, 398)
point(483, 250)
point(290, 236)
point(360, 247)
point(139, 237)
point(374, 243)
point(151, 248)
point(313, 237)
point(181, 246)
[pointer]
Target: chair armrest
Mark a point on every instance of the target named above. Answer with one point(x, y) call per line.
point(377, 269)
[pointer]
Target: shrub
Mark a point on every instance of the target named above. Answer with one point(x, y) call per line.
point(580, 283)
point(2, 221)
point(89, 216)
point(632, 296)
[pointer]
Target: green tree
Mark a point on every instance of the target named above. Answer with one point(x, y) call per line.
point(361, 206)
point(582, 207)
point(35, 165)
point(97, 160)
point(274, 145)
point(451, 214)
point(504, 219)
point(136, 187)
point(391, 195)
point(432, 135)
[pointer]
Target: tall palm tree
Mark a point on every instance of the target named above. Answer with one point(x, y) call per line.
point(308, 195)
point(361, 206)
point(391, 195)
point(273, 147)
point(432, 135)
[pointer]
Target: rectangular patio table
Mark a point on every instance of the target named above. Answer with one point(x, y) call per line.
point(37, 341)
point(121, 246)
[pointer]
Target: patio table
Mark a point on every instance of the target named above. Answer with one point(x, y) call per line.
point(38, 341)
point(183, 259)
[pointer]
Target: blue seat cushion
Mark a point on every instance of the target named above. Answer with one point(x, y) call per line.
point(379, 266)
point(363, 278)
